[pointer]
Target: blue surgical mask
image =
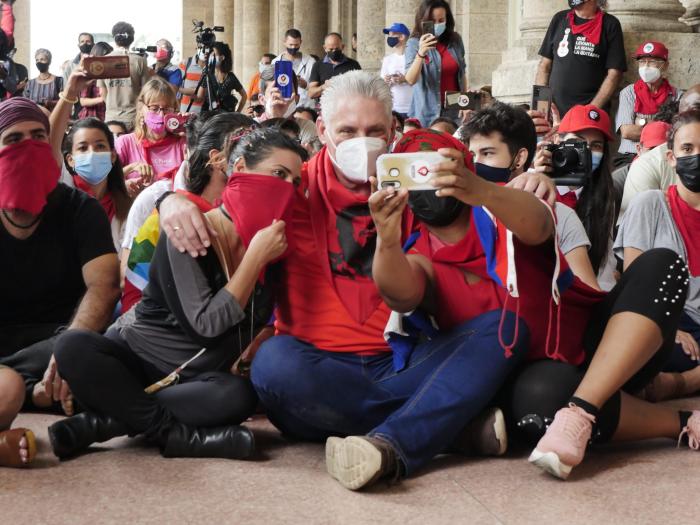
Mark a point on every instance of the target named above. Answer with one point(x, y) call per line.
point(596, 159)
point(491, 173)
point(392, 41)
point(93, 167)
point(440, 28)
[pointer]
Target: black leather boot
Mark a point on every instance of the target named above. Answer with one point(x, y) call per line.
point(73, 435)
point(230, 442)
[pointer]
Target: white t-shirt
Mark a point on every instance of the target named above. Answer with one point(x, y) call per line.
point(402, 93)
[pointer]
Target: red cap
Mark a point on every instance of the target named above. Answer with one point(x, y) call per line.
point(654, 134)
point(580, 118)
point(652, 49)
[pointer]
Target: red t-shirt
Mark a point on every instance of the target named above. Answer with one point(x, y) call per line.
point(448, 72)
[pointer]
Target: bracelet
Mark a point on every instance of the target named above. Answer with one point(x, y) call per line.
point(421, 56)
point(160, 199)
point(63, 97)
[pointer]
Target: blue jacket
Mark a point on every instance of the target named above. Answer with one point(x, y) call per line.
point(426, 102)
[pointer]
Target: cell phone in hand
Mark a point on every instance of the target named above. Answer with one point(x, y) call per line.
point(428, 27)
point(107, 67)
point(462, 100)
point(542, 100)
point(175, 123)
point(284, 75)
point(407, 170)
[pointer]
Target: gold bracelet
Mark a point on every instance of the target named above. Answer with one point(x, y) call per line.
point(62, 96)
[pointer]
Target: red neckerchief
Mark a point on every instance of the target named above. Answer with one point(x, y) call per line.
point(590, 29)
point(569, 199)
point(687, 221)
point(203, 204)
point(168, 175)
point(106, 201)
point(646, 102)
point(148, 145)
point(346, 237)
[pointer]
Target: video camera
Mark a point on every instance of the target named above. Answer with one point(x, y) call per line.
point(205, 35)
point(143, 50)
point(572, 163)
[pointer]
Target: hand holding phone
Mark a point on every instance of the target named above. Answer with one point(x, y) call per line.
point(463, 100)
point(284, 78)
point(409, 171)
point(428, 27)
point(542, 100)
point(116, 66)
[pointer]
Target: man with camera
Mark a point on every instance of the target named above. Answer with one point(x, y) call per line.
point(583, 55)
point(120, 94)
point(303, 64)
point(163, 67)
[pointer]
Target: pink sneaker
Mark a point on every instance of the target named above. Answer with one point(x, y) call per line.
point(692, 430)
point(564, 444)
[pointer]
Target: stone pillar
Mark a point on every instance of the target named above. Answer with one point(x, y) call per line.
point(371, 45)
point(238, 41)
point(692, 14)
point(403, 11)
point(649, 15)
point(223, 16)
point(311, 18)
point(281, 19)
point(25, 55)
point(255, 36)
point(202, 10)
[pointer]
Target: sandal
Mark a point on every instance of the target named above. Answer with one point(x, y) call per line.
point(654, 393)
point(9, 447)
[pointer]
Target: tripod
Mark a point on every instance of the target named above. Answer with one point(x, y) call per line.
point(206, 77)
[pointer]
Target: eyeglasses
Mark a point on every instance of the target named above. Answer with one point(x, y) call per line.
point(159, 109)
point(650, 62)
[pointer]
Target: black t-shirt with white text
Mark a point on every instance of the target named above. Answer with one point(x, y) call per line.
point(579, 67)
point(41, 276)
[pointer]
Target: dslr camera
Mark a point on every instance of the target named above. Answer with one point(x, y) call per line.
point(144, 50)
point(571, 161)
point(205, 35)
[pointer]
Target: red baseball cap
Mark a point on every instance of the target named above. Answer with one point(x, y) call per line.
point(580, 118)
point(654, 133)
point(652, 49)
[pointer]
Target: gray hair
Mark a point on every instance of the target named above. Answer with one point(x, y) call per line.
point(164, 42)
point(266, 75)
point(355, 83)
point(602, 3)
point(42, 51)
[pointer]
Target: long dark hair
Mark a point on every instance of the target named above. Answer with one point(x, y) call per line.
point(213, 135)
point(225, 51)
point(258, 145)
point(115, 179)
point(423, 14)
point(597, 208)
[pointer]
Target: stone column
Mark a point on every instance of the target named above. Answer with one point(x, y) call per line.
point(238, 41)
point(692, 14)
point(255, 35)
point(371, 45)
point(25, 55)
point(403, 11)
point(281, 19)
point(202, 10)
point(649, 15)
point(223, 16)
point(311, 18)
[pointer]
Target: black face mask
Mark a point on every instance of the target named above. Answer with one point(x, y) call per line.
point(336, 55)
point(85, 48)
point(688, 169)
point(434, 210)
point(293, 51)
point(575, 3)
point(42, 67)
point(492, 174)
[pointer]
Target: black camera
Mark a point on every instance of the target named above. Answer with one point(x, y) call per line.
point(143, 50)
point(205, 35)
point(571, 161)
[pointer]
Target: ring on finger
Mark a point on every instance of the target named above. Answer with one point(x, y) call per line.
point(176, 228)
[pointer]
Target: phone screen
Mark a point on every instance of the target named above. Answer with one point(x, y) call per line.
point(542, 100)
point(428, 26)
point(284, 71)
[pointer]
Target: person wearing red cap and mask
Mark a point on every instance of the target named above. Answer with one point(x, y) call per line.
point(163, 67)
point(595, 202)
point(639, 102)
point(59, 266)
point(194, 317)
point(583, 55)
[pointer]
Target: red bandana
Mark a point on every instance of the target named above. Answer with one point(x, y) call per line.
point(569, 199)
point(687, 221)
point(106, 201)
point(28, 174)
point(646, 102)
point(590, 29)
point(203, 204)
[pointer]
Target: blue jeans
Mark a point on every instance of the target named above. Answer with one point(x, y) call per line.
point(312, 394)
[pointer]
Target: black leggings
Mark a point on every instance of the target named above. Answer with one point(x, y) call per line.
point(654, 286)
point(108, 378)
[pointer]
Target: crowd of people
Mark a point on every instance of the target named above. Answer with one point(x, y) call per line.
point(172, 281)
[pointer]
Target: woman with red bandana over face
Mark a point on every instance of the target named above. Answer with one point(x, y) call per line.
point(190, 326)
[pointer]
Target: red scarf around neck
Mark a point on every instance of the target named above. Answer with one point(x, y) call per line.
point(346, 237)
point(148, 145)
point(646, 102)
point(687, 221)
point(591, 29)
point(203, 204)
point(106, 201)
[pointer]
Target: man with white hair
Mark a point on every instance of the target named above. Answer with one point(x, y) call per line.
point(583, 55)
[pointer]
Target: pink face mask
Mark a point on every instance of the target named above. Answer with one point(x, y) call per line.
point(161, 54)
point(155, 122)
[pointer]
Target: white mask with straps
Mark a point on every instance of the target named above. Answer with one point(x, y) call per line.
point(356, 158)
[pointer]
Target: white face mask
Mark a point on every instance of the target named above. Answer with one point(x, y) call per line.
point(649, 74)
point(288, 113)
point(357, 158)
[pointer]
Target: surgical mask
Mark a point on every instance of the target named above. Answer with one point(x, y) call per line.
point(649, 74)
point(434, 210)
point(201, 56)
point(357, 158)
point(491, 173)
point(42, 67)
point(93, 167)
point(392, 41)
point(262, 67)
point(336, 55)
point(440, 28)
point(219, 60)
point(155, 122)
point(596, 159)
point(293, 51)
point(162, 54)
point(291, 108)
point(85, 48)
point(688, 170)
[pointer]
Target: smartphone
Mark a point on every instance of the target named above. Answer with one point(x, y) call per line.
point(107, 67)
point(175, 123)
point(407, 170)
point(542, 100)
point(284, 74)
point(463, 100)
point(428, 26)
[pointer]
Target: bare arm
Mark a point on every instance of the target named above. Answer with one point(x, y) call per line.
point(630, 255)
point(425, 44)
point(101, 276)
point(607, 88)
point(631, 132)
point(543, 71)
point(315, 89)
point(61, 113)
point(244, 99)
point(581, 265)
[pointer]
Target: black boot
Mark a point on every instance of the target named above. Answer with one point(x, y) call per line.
point(73, 435)
point(230, 442)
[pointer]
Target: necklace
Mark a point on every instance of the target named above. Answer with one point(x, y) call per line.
point(21, 226)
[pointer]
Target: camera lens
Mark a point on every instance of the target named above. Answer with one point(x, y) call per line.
point(563, 158)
